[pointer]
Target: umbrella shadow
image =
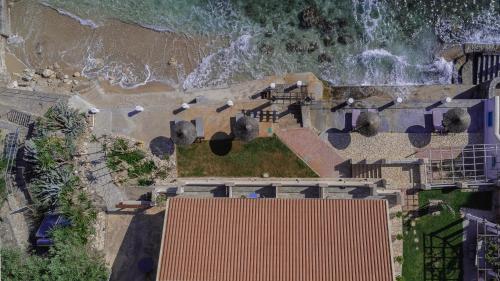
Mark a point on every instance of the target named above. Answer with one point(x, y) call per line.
point(419, 136)
point(338, 138)
point(162, 147)
point(221, 143)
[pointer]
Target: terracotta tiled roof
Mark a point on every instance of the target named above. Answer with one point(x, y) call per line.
point(275, 239)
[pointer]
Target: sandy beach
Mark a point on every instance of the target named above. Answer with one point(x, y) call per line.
point(119, 54)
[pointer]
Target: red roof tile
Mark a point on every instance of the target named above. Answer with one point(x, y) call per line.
point(275, 239)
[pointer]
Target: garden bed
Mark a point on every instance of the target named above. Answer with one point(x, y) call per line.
point(132, 165)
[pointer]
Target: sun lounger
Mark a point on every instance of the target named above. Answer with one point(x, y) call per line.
point(200, 129)
point(437, 119)
point(355, 115)
point(238, 116)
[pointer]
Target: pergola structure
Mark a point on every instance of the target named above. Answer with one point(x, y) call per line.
point(487, 252)
point(471, 164)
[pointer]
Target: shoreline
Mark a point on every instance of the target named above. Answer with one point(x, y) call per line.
point(116, 52)
point(82, 21)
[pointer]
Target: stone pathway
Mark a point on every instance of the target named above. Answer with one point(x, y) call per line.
point(315, 152)
point(100, 180)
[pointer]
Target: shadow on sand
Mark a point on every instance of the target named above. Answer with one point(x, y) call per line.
point(142, 240)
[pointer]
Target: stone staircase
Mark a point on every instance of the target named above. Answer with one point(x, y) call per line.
point(367, 171)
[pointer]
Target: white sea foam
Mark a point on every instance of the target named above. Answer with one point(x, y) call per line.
point(218, 68)
point(127, 76)
point(381, 67)
point(370, 23)
point(483, 28)
point(85, 22)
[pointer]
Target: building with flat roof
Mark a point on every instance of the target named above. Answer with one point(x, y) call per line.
point(275, 239)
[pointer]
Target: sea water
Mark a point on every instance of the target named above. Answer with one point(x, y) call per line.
point(368, 42)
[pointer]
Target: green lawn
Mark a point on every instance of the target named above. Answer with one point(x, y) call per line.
point(436, 255)
point(226, 158)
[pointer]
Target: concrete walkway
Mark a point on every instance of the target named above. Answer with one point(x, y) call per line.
point(315, 152)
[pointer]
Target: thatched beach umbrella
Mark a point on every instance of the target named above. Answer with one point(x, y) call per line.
point(368, 123)
point(456, 120)
point(184, 133)
point(246, 128)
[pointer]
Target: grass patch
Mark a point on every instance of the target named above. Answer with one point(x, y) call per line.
point(433, 244)
point(237, 159)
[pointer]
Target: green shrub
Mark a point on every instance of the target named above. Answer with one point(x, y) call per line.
point(399, 259)
point(132, 157)
point(145, 182)
point(113, 163)
point(66, 260)
point(161, 199)
point(120, 146)
point(399, 236)
point(141, 169)
point(48, 187)
point(162, 173)
point(18, 266)
point(3, 186)
point(62, 118)
point(47, 153)
point(77, 207)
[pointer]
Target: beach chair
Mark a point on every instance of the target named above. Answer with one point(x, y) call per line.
point(200, 129)
point(437, 119)
point(238, 116)
point(355, 115)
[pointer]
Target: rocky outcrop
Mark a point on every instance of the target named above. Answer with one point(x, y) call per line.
point(324, 58)
point(51, 76)
point(47, 73)
point(310, 17)
point(265, 48)
point(301, 47)
point(338, 28)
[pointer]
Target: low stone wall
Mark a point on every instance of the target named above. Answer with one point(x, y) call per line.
point(279, 188)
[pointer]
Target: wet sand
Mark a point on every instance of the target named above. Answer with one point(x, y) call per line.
point(111, 50)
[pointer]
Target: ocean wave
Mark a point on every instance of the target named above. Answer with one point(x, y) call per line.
point(127, 76)
point(86, 22)
point(217, 69)
point(381, 67)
